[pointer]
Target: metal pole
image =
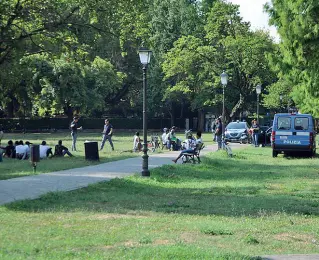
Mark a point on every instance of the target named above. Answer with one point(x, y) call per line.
point(258, 108)
point(223, 124)
point(145, 171)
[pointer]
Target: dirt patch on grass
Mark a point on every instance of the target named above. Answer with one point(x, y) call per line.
point(293, 237)
point(189, 237)
point(116, 216)
point(162, 242)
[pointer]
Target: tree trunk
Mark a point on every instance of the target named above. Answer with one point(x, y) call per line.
point(201, 120)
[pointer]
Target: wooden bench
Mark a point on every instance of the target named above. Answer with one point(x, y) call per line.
point(193, 157)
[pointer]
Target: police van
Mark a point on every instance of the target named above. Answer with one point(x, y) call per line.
point(293, 133)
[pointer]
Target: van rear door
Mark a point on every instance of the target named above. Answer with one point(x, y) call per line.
point(302, 129)
point(283, 131)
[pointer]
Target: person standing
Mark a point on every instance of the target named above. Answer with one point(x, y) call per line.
point(74, 131)
point(137, 145)
point(107, 134)
point(255, 130)
point(218, 133)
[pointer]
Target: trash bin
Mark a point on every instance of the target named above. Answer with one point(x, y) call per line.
point(91, 151)
point(35, 153)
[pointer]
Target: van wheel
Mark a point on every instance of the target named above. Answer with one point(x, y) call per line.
point(274, 153)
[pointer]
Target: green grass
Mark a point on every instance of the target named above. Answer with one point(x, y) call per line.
point(123, 142)
point(224, 208)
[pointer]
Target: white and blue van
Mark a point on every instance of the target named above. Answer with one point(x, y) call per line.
point(293, 133)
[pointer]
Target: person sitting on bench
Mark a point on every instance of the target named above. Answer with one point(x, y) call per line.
point(190, 145)
point(61, 150)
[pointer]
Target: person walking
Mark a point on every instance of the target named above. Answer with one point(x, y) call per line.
point(218, 133)
point(107, 134)
point(74, 131)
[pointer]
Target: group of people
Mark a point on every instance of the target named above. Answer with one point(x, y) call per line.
point(169, 139)
point(22, 151)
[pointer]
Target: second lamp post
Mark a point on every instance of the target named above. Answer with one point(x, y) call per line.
point(223, 79)
point(145, 57)
point(258, 91)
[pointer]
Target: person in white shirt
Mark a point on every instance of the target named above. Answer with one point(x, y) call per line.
point(45, 150)
point(21, 151)
point(137, 146)
point(165, 136)
point(191, 144)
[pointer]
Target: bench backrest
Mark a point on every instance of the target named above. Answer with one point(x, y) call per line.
point(199, 147)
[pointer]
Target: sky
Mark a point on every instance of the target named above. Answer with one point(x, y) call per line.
point(252, 11)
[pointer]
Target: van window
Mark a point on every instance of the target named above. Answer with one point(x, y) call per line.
point(301, 123)
point(284, 123)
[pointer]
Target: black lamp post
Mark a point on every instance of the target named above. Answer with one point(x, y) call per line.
point(223, 79)
point(145, 57)
point(280, 97)
point(258, 91)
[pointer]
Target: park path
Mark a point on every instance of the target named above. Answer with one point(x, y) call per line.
point(31, 187)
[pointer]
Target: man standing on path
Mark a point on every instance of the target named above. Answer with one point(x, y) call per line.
point(74, 131)
point(107, 134)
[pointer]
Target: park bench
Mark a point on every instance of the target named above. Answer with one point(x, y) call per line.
point(193, 157)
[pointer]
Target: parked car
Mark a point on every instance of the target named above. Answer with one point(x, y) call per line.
point(237, 132)
point(293, 133)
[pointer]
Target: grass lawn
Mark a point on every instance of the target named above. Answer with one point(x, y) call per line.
point(224, 208)
point(123, 141)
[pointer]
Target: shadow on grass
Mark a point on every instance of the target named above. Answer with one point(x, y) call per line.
point(218, 186)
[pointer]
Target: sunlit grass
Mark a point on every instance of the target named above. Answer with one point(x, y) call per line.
point(224, 208)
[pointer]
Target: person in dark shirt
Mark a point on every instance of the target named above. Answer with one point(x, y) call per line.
point(9, 150)
point(107, 134)
point(255, 132)
point(74, 131)
point(61, 150)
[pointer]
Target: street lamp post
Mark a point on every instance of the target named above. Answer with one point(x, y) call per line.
point(280, 97)
point(223, 79)
point(145, 56)
point(258, 91)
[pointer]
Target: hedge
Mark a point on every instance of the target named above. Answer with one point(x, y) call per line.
point(52, 124)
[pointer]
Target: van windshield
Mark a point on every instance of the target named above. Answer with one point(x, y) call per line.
point(284, 123)
point(301, 123)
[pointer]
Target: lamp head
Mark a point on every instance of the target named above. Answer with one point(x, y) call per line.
point(258, 89)
point(224, 78)
point(145, 55)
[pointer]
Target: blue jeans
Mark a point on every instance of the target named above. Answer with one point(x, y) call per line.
point(104, 138)
point(255, 136)
point(74, 137)
point(219, 141)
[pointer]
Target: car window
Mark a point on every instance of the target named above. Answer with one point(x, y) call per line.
point(301, 123)
point(236, 126)
point(284, 123)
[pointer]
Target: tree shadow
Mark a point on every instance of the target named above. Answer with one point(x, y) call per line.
point(167, 192)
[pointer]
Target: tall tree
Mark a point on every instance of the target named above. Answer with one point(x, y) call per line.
point(297, 25)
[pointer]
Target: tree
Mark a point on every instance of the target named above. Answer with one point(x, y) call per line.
point(297, 24)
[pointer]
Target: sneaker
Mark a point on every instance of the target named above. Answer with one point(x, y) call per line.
point(112, 148)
